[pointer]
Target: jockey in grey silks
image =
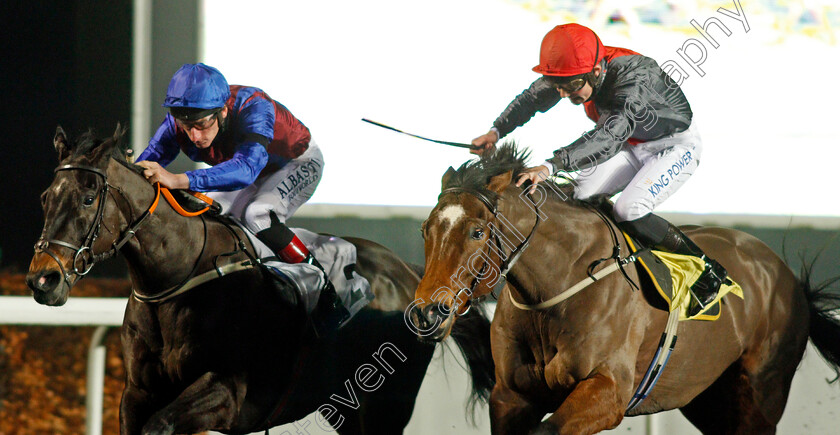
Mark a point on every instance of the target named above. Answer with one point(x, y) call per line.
point(644, 144)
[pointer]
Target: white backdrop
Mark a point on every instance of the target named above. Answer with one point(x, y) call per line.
point(446, 68)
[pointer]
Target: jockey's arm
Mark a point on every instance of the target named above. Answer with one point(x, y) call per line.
point(239, 172)
point(255, 121)
point(162, 147)
point(633, 114)
point(595, 146)
point(539, 97)
point(160, 152)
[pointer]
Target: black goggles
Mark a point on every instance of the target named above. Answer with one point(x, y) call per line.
point(188, 114)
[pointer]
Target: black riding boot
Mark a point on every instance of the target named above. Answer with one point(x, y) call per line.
point(330, 312)
point(661, 234)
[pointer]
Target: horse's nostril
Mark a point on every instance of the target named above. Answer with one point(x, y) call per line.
point(418, 318)
point(442, 310)
point(44, 282)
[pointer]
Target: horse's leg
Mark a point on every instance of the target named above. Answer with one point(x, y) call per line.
point(135, 408)
point(142, 368)
point(510, 412)
point(750, 396)
point(211, 402)
point(592, 406)
point(731, 405)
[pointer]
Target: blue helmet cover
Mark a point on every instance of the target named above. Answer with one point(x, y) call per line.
point(197, 86)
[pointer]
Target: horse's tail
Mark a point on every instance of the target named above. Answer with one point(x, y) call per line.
point(471, 333)
point(824, 306)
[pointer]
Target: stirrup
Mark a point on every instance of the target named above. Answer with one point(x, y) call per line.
point(705, 290)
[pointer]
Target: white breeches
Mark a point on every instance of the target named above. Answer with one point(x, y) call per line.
point(283, 192)
point(647, 173)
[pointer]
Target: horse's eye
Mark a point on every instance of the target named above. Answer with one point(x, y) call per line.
point(477, 234)
point(423, 229)
point(88, 201)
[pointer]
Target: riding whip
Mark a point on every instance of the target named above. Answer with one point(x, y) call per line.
point(443, 142)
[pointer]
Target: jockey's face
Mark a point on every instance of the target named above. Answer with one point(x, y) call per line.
point(581, 95)
point(202, 132)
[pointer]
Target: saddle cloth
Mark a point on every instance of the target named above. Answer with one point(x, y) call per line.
point(672, 275)
point(336, 255)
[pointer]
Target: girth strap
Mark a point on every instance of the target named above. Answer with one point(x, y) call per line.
point(193, 282)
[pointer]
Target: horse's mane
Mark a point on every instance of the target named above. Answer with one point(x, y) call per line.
point(476, 174)
point(88, 142)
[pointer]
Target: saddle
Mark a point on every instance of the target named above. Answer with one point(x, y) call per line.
point(666, 278)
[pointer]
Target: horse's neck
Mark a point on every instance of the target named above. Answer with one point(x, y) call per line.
point(568, 239)
point(167, 246)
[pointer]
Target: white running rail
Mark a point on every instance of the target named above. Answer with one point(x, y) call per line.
point(103, 313)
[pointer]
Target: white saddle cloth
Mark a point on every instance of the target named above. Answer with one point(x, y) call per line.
point(336, 255)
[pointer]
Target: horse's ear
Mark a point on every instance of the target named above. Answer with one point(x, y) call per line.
point(61, 144)
point(119, 132)
point(446, 177)
point(122, 149)
point(500, 182)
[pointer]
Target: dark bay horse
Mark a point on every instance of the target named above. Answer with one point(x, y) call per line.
point(581, 359)
point(229, 355)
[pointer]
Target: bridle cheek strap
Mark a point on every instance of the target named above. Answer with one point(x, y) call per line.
point(85, 252)
point(505, 264)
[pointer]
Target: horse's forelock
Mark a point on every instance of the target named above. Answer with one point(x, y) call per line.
point(86, 143)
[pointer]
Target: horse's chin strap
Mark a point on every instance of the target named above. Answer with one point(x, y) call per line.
point(85, 252)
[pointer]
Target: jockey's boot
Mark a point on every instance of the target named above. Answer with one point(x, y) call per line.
point(329, 313)
point(662, 235)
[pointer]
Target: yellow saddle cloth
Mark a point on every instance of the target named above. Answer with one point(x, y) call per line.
point(683, 271)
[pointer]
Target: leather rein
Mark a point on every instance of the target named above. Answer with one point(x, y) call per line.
point(84, 258)
point(507, 262)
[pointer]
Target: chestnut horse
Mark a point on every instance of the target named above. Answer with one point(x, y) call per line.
point(229, 355)
point(581, 360)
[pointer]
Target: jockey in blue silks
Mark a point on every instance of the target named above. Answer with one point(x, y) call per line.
point(264, 164)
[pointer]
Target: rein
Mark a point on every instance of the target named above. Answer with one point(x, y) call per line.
point(506, 263)
point(85, 251)
point(668, 339)
point(84, 257)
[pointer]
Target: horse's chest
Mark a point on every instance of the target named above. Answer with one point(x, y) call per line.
point(552, 374)
point(175, 359)
point(558, 374)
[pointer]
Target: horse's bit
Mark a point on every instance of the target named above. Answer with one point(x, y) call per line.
point(84, 253)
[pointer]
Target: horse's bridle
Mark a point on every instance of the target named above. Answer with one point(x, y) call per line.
point(84, 253)
point(505, 263)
